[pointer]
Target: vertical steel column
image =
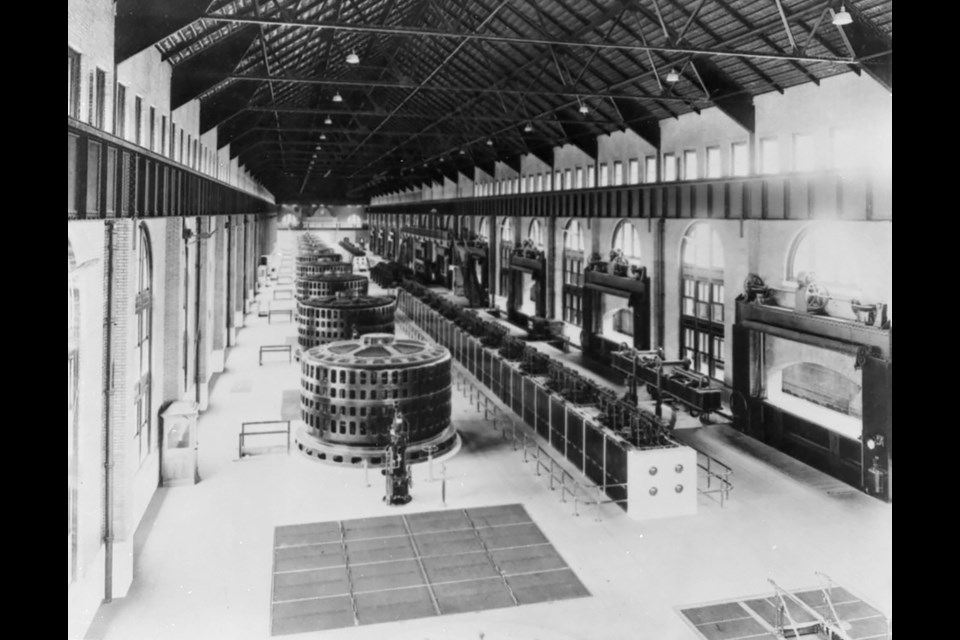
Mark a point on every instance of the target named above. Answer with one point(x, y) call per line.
point(107, 448)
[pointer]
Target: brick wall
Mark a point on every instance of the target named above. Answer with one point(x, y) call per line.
point(86, 242)
point(134, 481)
point(173, 318)
point(220, 291)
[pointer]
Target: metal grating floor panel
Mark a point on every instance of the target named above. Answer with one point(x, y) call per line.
point(755, 618)
point(339, 574)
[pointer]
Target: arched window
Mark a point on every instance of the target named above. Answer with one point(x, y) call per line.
point(702, 248)
point(144, 311)
point(573, 258)
point(627, 239)
point(73, 397)
point(701, 300)
point(506, 249)
point(483, 229)
point(535, 233)
point(831, 254)
point(354, 222)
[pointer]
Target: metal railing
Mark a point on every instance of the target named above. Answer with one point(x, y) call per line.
point(521, 440)
point(580, 492)
point(717, 475)
point(244, 434)
point(787, 626)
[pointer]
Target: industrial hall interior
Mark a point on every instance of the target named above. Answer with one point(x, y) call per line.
point(496, 319)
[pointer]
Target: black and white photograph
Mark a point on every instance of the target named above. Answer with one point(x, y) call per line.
point(480, 319)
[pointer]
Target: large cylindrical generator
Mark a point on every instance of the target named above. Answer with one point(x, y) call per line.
point(351, 389)
point(318, 255)
point(337, 317)
point(331, 284)
point(306, 269)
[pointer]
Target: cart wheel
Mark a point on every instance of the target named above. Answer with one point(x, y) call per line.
point(705, 419)
point(740, 409)
point(694, 413)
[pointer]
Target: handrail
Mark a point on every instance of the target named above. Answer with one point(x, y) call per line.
point(835, 630)
point(244, 433)
point(722, 476)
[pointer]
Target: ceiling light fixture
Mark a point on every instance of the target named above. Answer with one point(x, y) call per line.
point(528, 128)
point(489, 142)
point(353, 58)
point(323, 136)
point(328, 121)
point(337, 97)
point(462, 152)
point(673, 77)
point(842, 17)
point(584, 109)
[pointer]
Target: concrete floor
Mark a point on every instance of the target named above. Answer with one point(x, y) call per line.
point(203, 569)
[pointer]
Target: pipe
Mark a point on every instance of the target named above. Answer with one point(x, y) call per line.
point(230, 270)
point(244, 263)
point(107, 449)
point(196, 371)
point(659, 266)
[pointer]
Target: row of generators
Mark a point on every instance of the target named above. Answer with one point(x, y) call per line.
point(356, 376)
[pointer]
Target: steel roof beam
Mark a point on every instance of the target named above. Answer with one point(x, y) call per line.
point(874, 51)
point(464, 37)
point(453, 88)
